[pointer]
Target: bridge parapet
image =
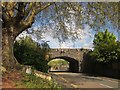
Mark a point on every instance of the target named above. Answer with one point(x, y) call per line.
point(77, 53)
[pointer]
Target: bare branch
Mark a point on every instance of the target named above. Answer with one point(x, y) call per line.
point(8, 10)
point(30, 19)
point(27, 11)
point(43, 7)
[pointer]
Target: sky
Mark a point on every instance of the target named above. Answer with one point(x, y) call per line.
point(86, 41)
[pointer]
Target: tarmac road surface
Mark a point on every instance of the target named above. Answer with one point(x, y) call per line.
point(79, 80)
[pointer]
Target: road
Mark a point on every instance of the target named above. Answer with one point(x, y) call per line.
point(79, 80)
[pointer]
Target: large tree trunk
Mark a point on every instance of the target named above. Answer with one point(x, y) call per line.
point(9, 61)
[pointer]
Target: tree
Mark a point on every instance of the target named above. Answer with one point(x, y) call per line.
point(29, 52)
point(118, 49)
point(57, 63)
point(105, 47)
point(19, 16)
point(16, 17)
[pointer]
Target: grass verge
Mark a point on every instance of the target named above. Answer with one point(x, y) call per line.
point(32, 81)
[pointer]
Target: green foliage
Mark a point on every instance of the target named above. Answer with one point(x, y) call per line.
point(106, 49)
point(31, 53)
point(118, 49)
point(32, 81)
point(57, 62)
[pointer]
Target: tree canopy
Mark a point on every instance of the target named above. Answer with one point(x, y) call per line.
point(106, 49)
point(61, 16)
point(57, 62)
point(66, 19)
point(29, 52)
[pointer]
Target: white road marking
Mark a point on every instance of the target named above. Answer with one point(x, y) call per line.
point(103, 79)
point(113, 81)
point(106, 85)
point(107, 79)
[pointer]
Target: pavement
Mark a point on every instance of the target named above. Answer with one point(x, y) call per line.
point(79, 80)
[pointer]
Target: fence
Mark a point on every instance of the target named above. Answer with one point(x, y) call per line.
point(95, 68)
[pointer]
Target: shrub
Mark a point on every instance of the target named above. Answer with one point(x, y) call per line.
point(29, 52)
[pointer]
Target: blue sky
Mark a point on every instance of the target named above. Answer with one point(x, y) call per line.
point(86, 40)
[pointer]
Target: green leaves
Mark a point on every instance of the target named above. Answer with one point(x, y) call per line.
point(57, 62)
point(104, 37)
point(106, 49)
point(29, 52)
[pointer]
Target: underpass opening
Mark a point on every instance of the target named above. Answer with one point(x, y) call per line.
point(58, 65)
point(73, 64)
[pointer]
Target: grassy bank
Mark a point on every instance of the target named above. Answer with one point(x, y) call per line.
point(32, 81)
point(19, 79)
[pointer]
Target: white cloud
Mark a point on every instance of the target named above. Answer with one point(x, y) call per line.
point(23, 34)
point(84, 40)
point(87, 46)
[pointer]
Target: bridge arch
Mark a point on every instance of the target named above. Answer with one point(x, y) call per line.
point(73, 63)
